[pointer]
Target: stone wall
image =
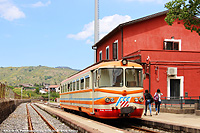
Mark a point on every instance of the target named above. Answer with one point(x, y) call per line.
point(8, 106)
point(176, 110)
point(197, 109)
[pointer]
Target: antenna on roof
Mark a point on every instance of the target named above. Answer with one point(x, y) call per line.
point(96, 26)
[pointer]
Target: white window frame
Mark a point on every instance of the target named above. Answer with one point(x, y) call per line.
point(174, 40)
point(107, 57)
point(181, 85)
point(100, 55)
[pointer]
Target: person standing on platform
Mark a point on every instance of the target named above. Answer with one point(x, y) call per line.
point(148, 101)
point(157, 99)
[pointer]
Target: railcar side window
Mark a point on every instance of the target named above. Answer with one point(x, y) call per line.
point(65, 88)
point(70, 87)
point(87, 81)
point(82, 83)
point(111, 77)
point(95, 79)
point(73, 85)
point(133, 77)
point(77, 84)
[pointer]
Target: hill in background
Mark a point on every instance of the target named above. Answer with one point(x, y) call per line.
point(34, 75)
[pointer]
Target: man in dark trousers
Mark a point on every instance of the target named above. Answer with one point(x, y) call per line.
point(148, 101)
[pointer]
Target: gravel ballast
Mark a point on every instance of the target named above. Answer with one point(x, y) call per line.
point(17, 121)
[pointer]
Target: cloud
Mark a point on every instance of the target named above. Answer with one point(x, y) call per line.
point(40, 4)
point(9, 11)
point(106, 24)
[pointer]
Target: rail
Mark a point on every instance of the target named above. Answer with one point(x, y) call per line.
point(140, 129)
point(50, 126)
point(30, 126)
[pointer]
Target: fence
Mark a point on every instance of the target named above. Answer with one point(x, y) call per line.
point(7, 93)
point(180, 102)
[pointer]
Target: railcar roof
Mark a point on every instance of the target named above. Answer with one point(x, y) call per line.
point(102, 64)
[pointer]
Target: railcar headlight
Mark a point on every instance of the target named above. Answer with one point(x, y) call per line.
point(107, 99)
point(112, 99)
point(141, 99)
point(124, 61)
point(136, 99)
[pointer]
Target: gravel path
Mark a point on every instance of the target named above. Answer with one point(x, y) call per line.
point(17, 121)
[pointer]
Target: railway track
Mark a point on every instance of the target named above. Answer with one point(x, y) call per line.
point(41, 121)
point(140, 129)
point(32, 126)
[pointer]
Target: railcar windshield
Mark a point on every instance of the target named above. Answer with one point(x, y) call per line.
point(111, 77)
point(133, 77)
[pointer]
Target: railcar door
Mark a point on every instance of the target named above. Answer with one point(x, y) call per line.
point(94, 84)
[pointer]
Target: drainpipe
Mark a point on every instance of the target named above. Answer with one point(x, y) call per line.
point(122, 40)
point(149, 77)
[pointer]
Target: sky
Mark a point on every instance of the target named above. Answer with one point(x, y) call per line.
point(61, 32)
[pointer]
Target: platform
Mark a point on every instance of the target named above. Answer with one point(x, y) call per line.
point(179, 122)
point(81, 123)
point(182, 122)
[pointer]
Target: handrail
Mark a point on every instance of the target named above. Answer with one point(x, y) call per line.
point(182, 100)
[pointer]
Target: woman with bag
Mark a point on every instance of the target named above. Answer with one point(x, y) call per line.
point(148, 101)
point(157, 99)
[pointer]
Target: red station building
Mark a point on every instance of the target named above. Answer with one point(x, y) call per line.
point(170, 55)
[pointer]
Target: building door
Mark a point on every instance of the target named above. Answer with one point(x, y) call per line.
point(175, 88)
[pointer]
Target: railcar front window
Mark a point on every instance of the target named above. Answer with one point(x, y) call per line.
point(133, 77)
point(111, 77)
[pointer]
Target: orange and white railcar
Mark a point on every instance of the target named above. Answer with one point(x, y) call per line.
point(108, 90)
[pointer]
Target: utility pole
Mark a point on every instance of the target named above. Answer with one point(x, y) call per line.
point(21, 92)
point(49, 95)
point(96, 26)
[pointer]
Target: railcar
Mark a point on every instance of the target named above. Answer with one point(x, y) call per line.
point(107, 90)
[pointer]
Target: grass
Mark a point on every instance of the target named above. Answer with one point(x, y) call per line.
point(33, 95)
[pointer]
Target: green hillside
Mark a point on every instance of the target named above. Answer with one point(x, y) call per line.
point(34, 75)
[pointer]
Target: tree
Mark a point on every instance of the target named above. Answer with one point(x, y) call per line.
point(37, 90)
point(186, 10)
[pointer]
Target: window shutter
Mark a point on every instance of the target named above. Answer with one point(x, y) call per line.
point(176, 46)
point(114, 50)
point(100, 56)
point(106, 54)
point(164, 45)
